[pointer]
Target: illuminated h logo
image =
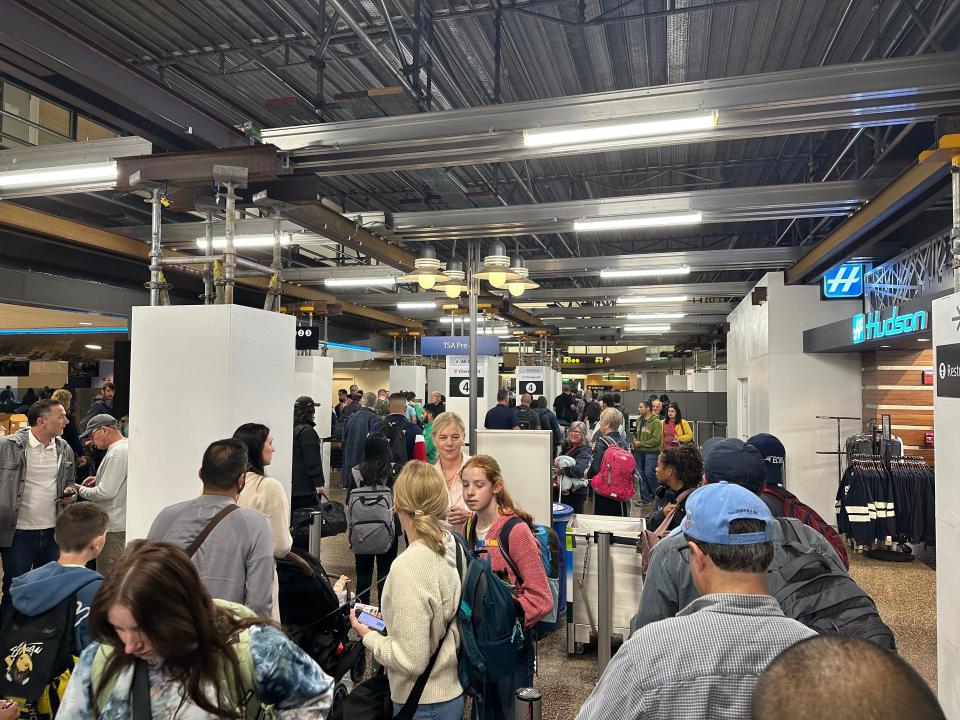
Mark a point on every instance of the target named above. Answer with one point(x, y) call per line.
point(844, 281)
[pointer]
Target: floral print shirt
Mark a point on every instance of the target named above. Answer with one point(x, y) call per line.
point(285, 677)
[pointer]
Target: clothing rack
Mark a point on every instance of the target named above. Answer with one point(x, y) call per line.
point(838, 452)
point(886, 502)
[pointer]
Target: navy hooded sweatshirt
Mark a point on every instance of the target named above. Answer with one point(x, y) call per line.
point(39, 590)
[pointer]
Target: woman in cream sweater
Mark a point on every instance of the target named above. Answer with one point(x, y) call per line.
point(265, 494)
point(420, 600)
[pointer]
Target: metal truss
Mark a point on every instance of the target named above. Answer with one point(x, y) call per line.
point(883, 92)
point(924, 269)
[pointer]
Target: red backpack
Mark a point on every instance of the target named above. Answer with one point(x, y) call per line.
point(615, 478)
point(793, 508)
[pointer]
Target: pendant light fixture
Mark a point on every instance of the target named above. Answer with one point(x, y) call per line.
point(456, 281)
point(427, 272)
point(523, 282)
point(496, 266)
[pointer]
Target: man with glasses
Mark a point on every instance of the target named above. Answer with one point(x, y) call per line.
point(704, 663)
point(36, 465)
point(109, 487)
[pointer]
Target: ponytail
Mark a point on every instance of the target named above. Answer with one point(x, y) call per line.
point(421, 493)
point(491, 470)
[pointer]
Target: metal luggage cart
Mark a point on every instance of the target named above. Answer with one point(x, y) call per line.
point(604, 582)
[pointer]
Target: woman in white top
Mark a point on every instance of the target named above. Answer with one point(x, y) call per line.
point(265, 494)
point(448, 433)
point(420, 601)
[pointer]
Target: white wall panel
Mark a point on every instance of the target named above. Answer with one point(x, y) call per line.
point(524, 458)
point(229, 365)
point(408, 377)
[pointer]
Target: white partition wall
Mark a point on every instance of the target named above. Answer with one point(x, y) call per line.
point(409, 377)
point(437, 380)
point(229, 365)
point(524, 458)
point(676, 382)
point(458, 370)
point(701, 382)
point(946, 411)
point(717, 380)
point(314, 377)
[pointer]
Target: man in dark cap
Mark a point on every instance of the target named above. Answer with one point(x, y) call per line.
point(668, 586)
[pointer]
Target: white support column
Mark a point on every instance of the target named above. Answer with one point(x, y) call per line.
point(197, 373)
point(409, 377)
point(314, 377)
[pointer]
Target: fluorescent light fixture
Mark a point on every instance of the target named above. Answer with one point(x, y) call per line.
point(638, 299)
point(567, 328)
point(243, 241)
point(64, 331)
point(645, 272)
point(640, 221)
point(501, 330)
point(532, 305)
point(546, 137)
point(84, 323)
point(416, 306)
point(646, 328)
point(656, 316)
point(93, 347)
point(923, 339)
point(359, 281)
point(53, 177)
point(450, 320)
point(552, 318)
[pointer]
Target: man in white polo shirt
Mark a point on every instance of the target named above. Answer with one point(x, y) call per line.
point(36, 465)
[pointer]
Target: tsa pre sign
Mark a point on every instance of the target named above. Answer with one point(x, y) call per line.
point(458, 345)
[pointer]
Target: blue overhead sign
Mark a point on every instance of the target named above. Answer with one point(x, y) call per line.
point(870, 326)
point(844, 282)
point(459, 345)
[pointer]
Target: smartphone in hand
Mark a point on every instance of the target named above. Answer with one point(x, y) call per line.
point(372, 622)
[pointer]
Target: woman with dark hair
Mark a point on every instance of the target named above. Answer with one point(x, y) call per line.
point(165, 644)
point(375, 470)
point(679, 472)
point(307, 478)
point(265, 494)
point(676, 430)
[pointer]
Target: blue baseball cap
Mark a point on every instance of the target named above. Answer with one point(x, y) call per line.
point(711, 508)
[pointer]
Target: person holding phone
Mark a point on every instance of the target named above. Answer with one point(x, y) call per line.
point(420, 601)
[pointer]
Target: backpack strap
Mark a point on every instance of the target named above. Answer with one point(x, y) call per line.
point(195, 545)
point(140, 692)
point(504, 540)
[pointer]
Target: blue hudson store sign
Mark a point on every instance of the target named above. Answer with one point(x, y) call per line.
point(872, 326)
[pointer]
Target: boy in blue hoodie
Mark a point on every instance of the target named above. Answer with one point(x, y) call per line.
point(80, 532)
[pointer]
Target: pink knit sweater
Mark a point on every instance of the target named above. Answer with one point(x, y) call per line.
point(534, 595)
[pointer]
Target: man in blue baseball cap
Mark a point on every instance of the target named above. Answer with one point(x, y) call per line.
point(669, 585)
point(710, 655)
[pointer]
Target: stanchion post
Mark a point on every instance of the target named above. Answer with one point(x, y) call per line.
point(604, 599)
point(528, 704)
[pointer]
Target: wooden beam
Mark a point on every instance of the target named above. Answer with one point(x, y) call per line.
point(196, 168)
point(34, 221)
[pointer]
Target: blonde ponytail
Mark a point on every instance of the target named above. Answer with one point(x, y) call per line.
point(421, 493)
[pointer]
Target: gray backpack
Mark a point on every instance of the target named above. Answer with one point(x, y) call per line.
point(370, 525)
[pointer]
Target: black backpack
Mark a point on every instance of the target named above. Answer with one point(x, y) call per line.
point(38, 655)
point(820, 594)
point(395, 431)
point(527, 418)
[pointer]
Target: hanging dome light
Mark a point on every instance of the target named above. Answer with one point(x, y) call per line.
point(522, 283)
point(496, 266)
point(455, 279)
point(427, 273)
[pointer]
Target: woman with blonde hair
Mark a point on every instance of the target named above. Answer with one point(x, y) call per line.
point(449, 433)
point(608, 435)
point(420, 602)
point(504, 533)
point(70, 432)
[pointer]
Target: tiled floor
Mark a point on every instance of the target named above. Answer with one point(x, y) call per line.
point(905, 594)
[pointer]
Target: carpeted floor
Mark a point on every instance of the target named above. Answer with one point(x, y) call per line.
point(905, 594)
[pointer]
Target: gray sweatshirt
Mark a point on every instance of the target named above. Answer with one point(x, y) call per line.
point(236, 560)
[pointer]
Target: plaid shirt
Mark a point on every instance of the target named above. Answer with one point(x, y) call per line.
point(701, 664)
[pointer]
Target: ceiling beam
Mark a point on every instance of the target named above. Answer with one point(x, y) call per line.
point(557, 315)
point(739, 204)
point(867, 94)
point(22, 218)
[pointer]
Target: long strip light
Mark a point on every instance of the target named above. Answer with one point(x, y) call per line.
point(416, 306)
point(645, 272)
point(360, 281)
point(546, 137)
point(640, 221)
point(64, 331)
point(53, 177)
point(646, 328)
point(638, 299)
point(244, 241)
point(656, 316)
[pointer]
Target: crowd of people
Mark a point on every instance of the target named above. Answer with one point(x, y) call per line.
point(186, 624)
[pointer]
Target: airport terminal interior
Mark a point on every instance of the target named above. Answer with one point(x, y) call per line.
point(673, 243)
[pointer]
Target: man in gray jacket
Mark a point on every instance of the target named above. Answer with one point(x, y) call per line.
point(235, 560)
point(669, 587)
point(36, 465)
point(355, 433)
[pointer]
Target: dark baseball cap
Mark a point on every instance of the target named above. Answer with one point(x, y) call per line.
point(774, 455)
point(304, 401)
point(97, 422)
point(735, 462)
